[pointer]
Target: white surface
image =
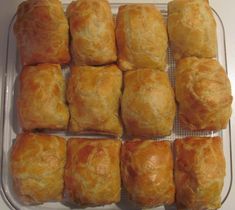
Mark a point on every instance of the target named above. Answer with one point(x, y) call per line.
point(225, 11)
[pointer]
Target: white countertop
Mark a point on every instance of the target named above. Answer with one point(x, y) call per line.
point(225, 9)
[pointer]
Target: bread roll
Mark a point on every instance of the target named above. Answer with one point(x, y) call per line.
point(199, 172)
point(37, 167)
point(192, 29)
point(92, 173)
point(147, 172)
point(93, 94)
point(92, 31)
point(42, 32)
point(148, 105)
point(141, 37)
point(203, 92)
point(41, 101)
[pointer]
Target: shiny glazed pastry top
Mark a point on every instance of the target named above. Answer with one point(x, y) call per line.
point(92, 173)
point(148, 104)
point(41, 101)
point(141, 37)
point(92, 32)
point(203, 92)
point(147, 172)
point(199, 172)
point(192, 29)
point(42, 32)
point(37, 164)
point(93, 95)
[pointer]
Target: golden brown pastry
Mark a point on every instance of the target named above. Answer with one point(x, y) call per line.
point(199, 172)
point(37, 167)
point(92, 173)
point(41, 102)
point(192, 29)
point(92, 31)
point(148, 104)
point(93, 94)
point(141, 37)
point(204, 94)
point(147, 172)
point(42, 32)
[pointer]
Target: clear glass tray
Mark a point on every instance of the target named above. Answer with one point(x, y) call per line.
point(11, 127)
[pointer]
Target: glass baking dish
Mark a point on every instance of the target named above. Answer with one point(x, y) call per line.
point(11, 126)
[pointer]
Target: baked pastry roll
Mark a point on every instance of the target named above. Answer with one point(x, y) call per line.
point(42, 32)
point(41, 101)
point(147, 172)
point(92, 172)
point(93, 94)
point(199, 172)
point(204, 94)
point(37, 167)
point(148, 105)
point(192, 29)
point(92, 31)
point(141, 37)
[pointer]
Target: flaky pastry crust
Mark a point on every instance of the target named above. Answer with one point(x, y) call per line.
point(42, 32)
point(141, 37)
point(148, 105)
point(92, 32)
point(199, 172)
point(147, 172)
point(93, 94)
point(37, 167)
point(92, 173)
point(192, 29)
point(203, 92)
point(41, 101)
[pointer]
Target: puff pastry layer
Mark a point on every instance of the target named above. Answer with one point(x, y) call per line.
point(93, 94)
point(92, 31)
point(41, 102)
point(147, 172)
point(42, 32)
point(141, 37)
point(199, 172)
point(37, 167)
point(192, 29)
point(92, 173)
point(204, 94)
point(148, 104)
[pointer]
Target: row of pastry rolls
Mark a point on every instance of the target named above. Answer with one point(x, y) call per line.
point(94, 98)
point(140, 35)
point(42, 33)
point(203, 89)
point(84, 171)
point(87, 171)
